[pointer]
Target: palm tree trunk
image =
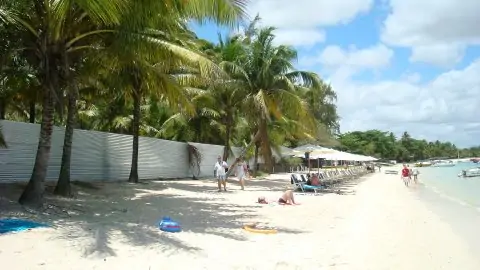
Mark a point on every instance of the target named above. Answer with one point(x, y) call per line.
point(255, 160)
point(63, 187)
point(265, 146)
point(133, 178)
point(228, 128)
point(31, 111)
point(3, 143)
point(3, 108)
point(33, 192)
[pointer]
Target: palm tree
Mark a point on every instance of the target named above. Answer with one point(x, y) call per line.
point(54, 35)
point(321, 101)
point(229, 93)
point(3, 143)
point(57, 33)
point(165, 62)
point(272, 86)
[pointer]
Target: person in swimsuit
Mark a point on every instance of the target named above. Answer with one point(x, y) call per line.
point(241, 168)
point(286, 199)
point(405, 175)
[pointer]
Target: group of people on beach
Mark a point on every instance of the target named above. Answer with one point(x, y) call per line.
point(242, 172)
point(408, 174)
point(221, 168)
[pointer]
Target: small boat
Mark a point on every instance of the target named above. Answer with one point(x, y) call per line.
point(443, 163)
point(423, 164)
point(475, 160)
point(473, 172)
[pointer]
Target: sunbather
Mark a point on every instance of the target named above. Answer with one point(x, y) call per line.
point(286, 199)
point(315, 181)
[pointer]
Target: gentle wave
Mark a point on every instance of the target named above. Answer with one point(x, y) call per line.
point(444, 195)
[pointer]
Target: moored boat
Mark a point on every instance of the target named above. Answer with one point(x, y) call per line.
point(443, 163)
point(423, 164)
point(473, 172)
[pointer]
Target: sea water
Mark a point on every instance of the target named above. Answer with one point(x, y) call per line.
point(456, 200)
point(445, 182)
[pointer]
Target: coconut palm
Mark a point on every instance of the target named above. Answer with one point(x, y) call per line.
point(57, 32)
point(322, 103)
point(3, 143)
point(54, 35)
point(165, 63)
point(272, 85)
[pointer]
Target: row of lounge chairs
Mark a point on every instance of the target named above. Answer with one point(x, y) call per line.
point(329, 179)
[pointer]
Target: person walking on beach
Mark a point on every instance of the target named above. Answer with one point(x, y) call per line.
point(241, 172)
point(405, 175)
point(220, 167)
point(415, 175)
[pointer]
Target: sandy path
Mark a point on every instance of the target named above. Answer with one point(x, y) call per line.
point(391, 229)
point(383, 226)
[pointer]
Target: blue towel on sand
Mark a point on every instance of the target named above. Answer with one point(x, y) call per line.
point(312, 187)
point(16, 225)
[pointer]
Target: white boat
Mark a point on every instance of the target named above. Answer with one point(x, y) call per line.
point(443, 163)
point(473, 172)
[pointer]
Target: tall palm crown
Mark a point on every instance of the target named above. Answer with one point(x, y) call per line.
point(56, 35)
point(273, 86)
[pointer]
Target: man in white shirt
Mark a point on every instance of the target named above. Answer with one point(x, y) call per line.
point(220, 167)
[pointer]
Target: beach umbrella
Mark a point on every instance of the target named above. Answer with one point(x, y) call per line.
point(314, 152)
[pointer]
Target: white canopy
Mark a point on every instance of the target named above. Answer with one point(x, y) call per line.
point(317, 151)
point(314, 150)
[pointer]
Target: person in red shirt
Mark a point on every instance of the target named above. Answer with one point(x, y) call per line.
point(405, 175)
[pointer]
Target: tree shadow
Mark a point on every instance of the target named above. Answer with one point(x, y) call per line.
point(102, 212)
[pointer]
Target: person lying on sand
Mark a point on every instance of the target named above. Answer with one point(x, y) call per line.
point(286, 199)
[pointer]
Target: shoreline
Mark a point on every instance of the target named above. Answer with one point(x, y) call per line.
point(462, 216)
point(383, 225)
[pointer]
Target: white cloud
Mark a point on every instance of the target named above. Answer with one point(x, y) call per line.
point(442, 55)
point(438, 31)
point(299, 37)
point(300, 22)
point(412, 77)
point(374, 57)
point(346, 62)
point(445, 108)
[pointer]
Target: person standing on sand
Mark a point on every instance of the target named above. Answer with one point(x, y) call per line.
point(415, 175)
point(220, 167)
point(405, 175)
point(241, 168)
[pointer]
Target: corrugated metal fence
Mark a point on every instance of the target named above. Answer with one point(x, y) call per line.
point(99, 156)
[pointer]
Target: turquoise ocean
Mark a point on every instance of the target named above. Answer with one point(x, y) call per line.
point(445, 182)
point(456, 200)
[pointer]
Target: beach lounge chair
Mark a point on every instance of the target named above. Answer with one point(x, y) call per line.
point(303, 186)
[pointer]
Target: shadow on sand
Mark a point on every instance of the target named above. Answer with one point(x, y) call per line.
point(101, 211)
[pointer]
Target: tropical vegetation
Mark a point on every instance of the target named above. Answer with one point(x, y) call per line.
point(385, 145)
point(135, 67)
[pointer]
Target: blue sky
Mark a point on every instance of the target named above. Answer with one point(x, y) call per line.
point(391, 62)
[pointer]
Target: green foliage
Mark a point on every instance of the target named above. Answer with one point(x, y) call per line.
point(292, 161)
point(384, 145)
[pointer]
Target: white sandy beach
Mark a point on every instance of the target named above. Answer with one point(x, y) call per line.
point(382, 226)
